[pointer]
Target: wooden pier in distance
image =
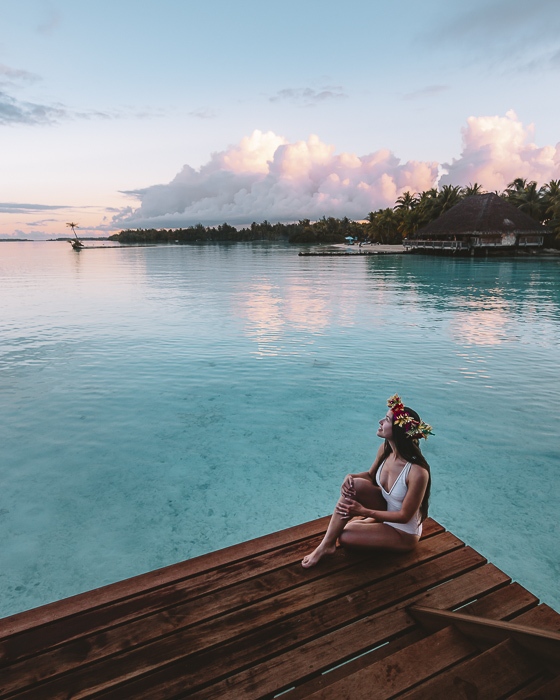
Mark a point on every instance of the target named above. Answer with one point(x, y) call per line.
point(337, 253)
point(249, 622)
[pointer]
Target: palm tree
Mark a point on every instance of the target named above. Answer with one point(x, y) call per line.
point(530, 201)
point(433, 203)
point(383, 225)
point(551, 206)
point(515, 186)
point(409, 222)
point(554, 221)
point(527, 196)
point(449, 196)
point(471, 190)
point(73, 226)
point(76, 244)
point(550, 197)
point(423, 212)
point(406, 201)
point(388, 223)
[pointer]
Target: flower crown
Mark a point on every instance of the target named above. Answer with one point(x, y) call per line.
point(414, 429)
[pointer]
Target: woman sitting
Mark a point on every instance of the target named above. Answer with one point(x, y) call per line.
point(391, 498)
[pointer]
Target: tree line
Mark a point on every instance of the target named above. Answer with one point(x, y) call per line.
point(413, 211)
point(390, 225)
point(326, 230)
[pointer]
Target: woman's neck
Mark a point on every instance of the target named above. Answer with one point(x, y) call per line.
point(395, 452)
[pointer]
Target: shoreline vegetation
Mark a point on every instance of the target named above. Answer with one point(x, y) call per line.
point(384, 226)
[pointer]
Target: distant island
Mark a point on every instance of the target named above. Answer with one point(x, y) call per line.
point(83, 238)
point(385, 226)
point(326, 230)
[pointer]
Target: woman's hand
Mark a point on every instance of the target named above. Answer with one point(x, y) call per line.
point(347, 490)
point(348, 508)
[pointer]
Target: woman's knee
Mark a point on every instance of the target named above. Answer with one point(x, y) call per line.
point(369, 495)
point(364, 487)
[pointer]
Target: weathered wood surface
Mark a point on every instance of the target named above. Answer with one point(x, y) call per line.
point(249, 622)
point(543, 643)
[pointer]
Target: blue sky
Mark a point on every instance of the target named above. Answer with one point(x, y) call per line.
point(123, 113)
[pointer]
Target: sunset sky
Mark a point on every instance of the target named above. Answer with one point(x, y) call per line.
point(124, 114)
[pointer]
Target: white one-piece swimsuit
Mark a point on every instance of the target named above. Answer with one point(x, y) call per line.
point(395, 498)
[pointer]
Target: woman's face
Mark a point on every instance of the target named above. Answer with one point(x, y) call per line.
point(385, 429)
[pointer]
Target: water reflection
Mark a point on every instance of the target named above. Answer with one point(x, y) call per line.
point(477, 325)
point(305, 302)
point(308, 309)
point(261, 307)
point(484, 295)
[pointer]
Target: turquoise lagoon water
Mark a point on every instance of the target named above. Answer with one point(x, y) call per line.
point(158, 403)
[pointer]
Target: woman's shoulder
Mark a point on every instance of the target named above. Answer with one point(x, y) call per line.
point(418, 472)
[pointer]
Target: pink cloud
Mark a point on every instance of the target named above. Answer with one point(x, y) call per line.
point(266, 177)
point(496, 150)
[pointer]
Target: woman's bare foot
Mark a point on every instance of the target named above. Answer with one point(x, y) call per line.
point(316, 555)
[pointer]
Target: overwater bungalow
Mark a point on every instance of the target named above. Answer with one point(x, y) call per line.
point(481, 223)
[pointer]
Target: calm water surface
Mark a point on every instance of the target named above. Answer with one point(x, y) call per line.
point(158, 403)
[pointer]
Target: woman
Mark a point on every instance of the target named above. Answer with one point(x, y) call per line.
point(392, 497)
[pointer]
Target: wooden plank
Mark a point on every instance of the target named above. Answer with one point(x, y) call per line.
point(544, 687)
point(31, 642)
point(325, 650)
point(329, 650)
point(545, 643)
point(542, 616)
point(476, 582)
point(400, 671)
point(454, 593)
point(186, 645)
point(324, 680)
point(157, 578)
point(502, 604)
point(294, 666)
point(28, 633)
point(547, 691)
point(479, 584)
point(111, 641)
point(339, 604)
point(493, 674)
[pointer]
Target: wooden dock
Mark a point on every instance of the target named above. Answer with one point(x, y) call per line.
point(249, 622)
point(343, 253)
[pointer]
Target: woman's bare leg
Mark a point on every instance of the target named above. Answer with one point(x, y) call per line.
point(369, 496)
point(328, 543)
point(377, 536)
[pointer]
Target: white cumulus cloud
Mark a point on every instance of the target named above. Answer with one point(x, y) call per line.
point(496, 150)
point(266, 177)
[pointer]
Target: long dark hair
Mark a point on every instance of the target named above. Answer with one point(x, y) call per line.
point(409, 450)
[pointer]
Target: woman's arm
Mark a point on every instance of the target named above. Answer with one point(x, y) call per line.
point(417, 484)
point(347, 488)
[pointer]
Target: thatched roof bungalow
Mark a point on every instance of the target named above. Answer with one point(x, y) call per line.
point(480, 223)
